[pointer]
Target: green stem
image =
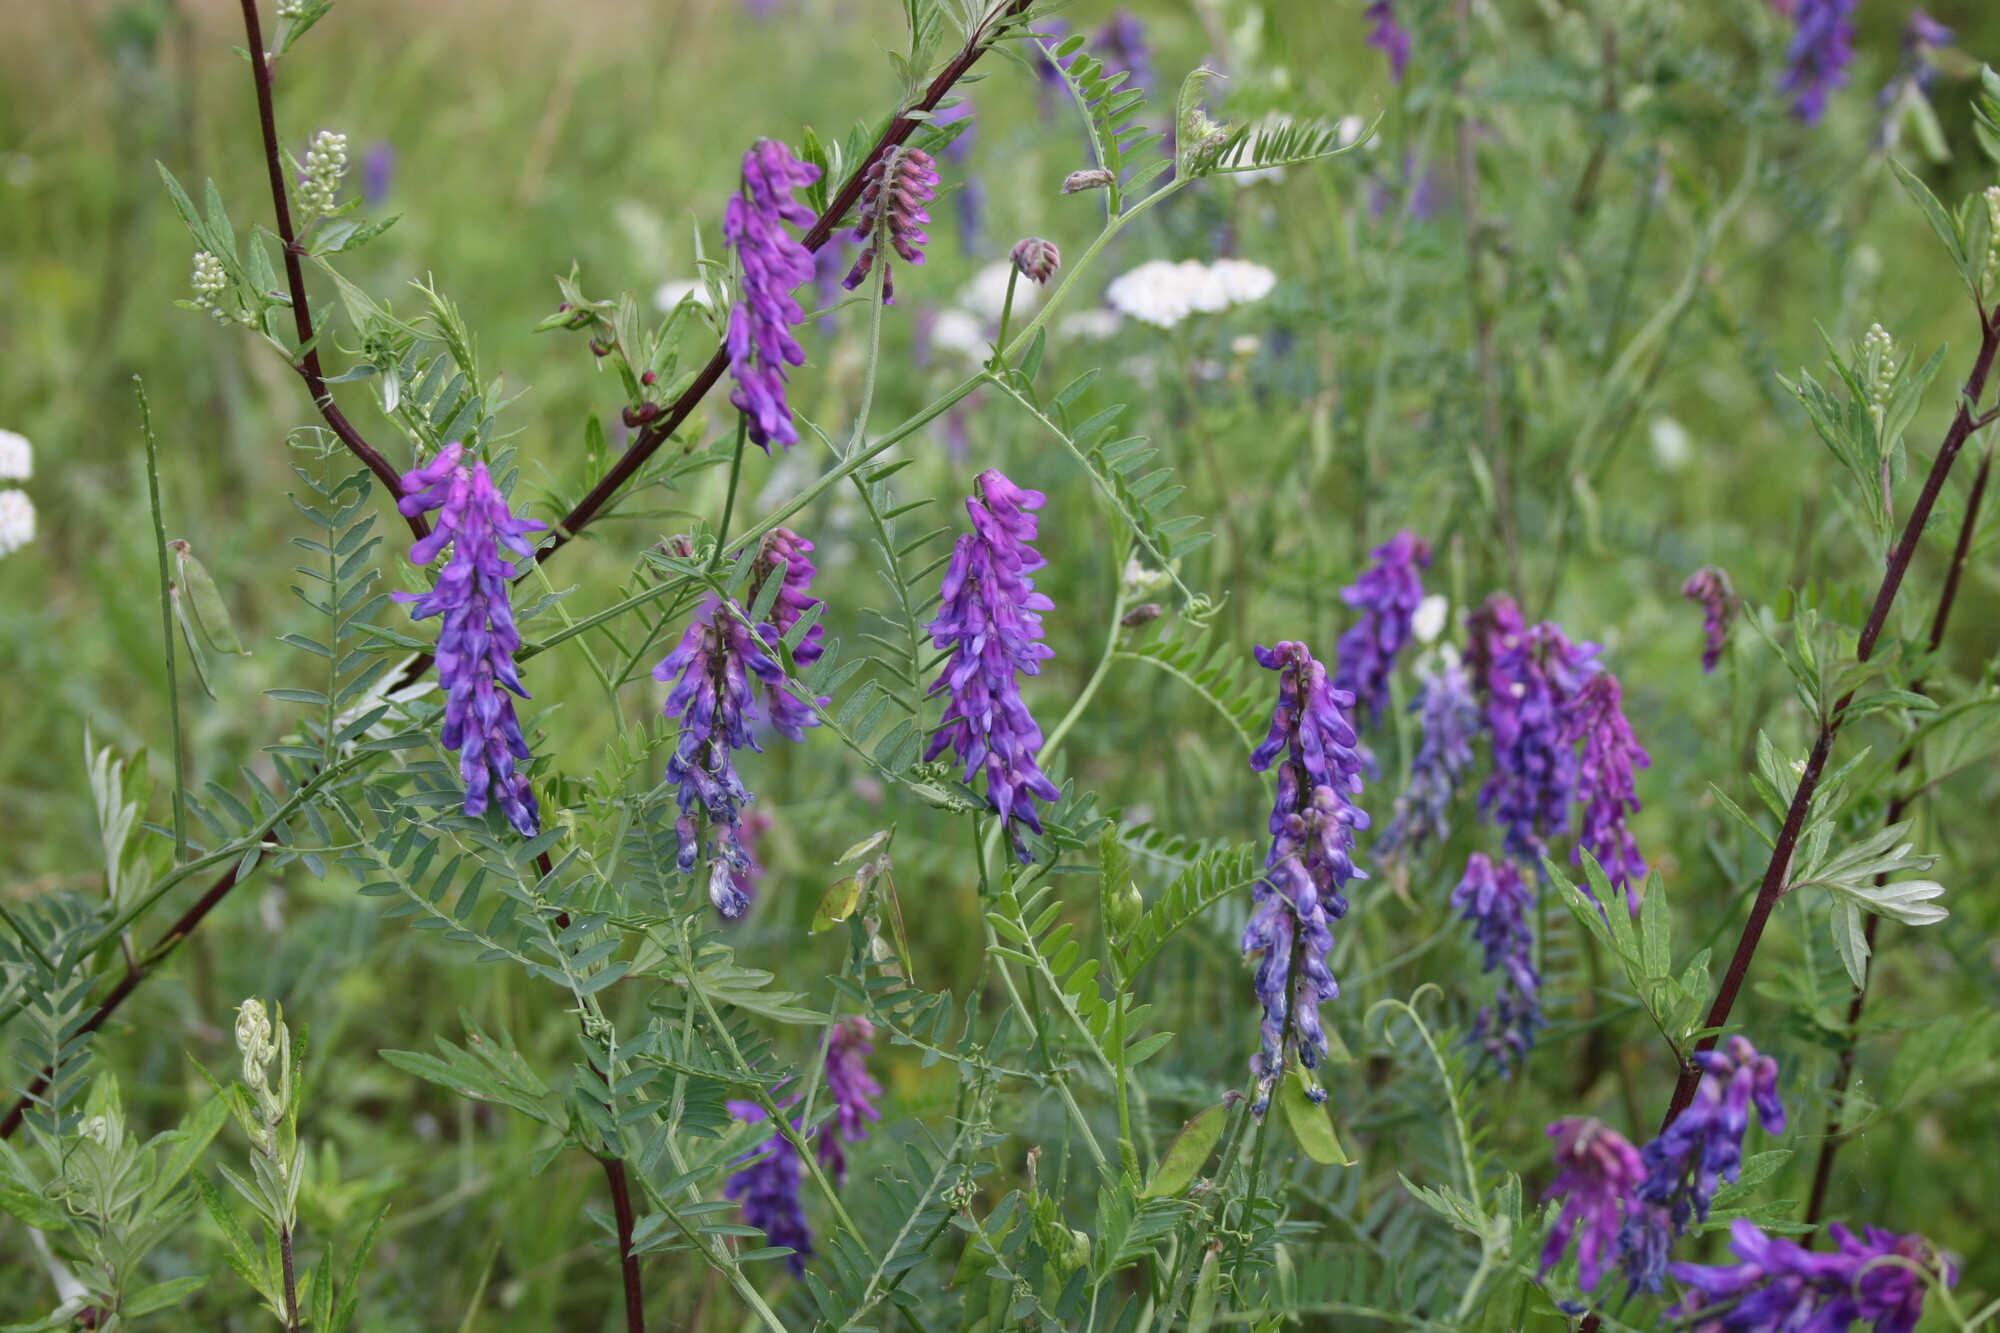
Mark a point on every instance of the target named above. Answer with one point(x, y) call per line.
point(873, 362)
point(166, 619)
point(1006, 316)
point(735, 471)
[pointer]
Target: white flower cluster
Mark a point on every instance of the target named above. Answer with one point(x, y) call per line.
point(209, 281)
point(1163, 294)
point(291, 9)
point(1877, 348)
point(326, 163)
point(17, 511)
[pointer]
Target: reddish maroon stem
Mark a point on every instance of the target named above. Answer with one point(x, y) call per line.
point(1844, 1068)
point(621, 1207)
point(295, 279)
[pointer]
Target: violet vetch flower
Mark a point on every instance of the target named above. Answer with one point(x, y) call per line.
point(1494, 898)
point(1449, 715)
point(989, 621)
point(1035, 259)
point(969, 202)
point(1531, 678)
point(1598, 1172)
point(1313, 823)
point(829, 265)
point(378, 171)
point(1709, 587)
point(1702, 1148)
point(1604, 782)
point(852, 1089)
point(1121, 45)
point(477, 639)
point(790, 715)
point(1821, 49)
point(712, 696)
point(1389, 37)
point(900, 183)
point(768, 1188)
point(774, 263)
point(1386, 594)
point(1782, 1287)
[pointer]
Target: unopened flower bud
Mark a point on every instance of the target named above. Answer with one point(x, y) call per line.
point(326, 163)
point(1096, 178)
point(1143, 614)
point(1036, 259)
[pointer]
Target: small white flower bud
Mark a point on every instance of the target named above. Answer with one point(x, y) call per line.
point(326, 163)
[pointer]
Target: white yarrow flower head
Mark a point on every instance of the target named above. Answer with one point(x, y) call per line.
point(1093, 325)
point(17, 521)
point(957, 332)
point(17, 457)
point(1163, 294)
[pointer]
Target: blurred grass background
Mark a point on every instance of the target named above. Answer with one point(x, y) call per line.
point(527, 136)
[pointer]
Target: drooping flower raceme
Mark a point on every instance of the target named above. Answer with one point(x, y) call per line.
point(1695, 1154)
point(989, 620)
point(900, 183)
point(1599, 1169)
point(1709, 587)
point(1387, 595)
point(1780, 1286)
point(1495, 899)
point(1532, 681)
point(712, 695)
point(760, 340)
point(767, 1185)
point(853, 1092)
point(1313, 823)
point(1604, 782)
point(1449, 716)
point(477, 639)
point(1821, 49)
point(1388, 36)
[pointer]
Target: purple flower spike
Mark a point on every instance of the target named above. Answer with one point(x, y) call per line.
point(1389, 37)
point(989, 621)
point(712, 696)
point(1822, 47)
point(1386, 594)
point(900, 183)
point(1450, 716)
point(852, 1089)
point(1496, 901)
point(1709, 586)
point(790, 715)
point(1604, 783)
point(1530, 678)
point(1782, 1287)
point(760, 338)
point(477, 640)
point(1313, 824)
point(768, 1188)
point(1598, 1171)
point(1702, 1148)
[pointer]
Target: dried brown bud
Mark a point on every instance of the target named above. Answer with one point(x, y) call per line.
point(1036, 259)
point(1097, 178)
point(1143, 614)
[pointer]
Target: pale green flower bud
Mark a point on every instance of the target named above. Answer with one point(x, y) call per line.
point(326, 163)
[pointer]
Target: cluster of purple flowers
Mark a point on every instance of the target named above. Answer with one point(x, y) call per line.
point(767, 1185)
point(1388, 36)
point(1779, 1286)
point(477, 639)
point(1604, 781)
point(1386, 594)
point(1313, 823)
point(1496, 900)
point(1532, 678)
point(781, 546)
point(900, 183)
point(1598, 1171)
point(1709, 588)
point(853, 1091)
point(989, 621)
point(1821, 49)
point(774, 263)
point(1449, 715)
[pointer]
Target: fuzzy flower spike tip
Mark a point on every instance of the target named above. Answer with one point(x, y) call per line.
point(478, 640)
